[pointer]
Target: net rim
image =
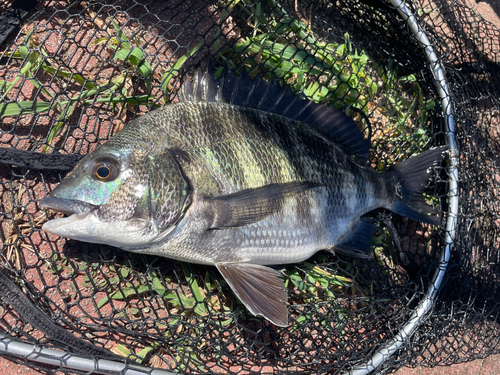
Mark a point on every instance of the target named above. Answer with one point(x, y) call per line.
point(421, 311)
point(392, 345)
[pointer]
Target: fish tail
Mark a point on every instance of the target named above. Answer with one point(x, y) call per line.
point(410, 178)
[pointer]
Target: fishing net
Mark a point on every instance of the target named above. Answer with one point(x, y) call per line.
point(420, 74)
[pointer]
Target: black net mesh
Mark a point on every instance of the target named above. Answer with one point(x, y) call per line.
point(78, 71)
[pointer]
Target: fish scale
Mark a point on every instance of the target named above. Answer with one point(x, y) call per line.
point(210, 181)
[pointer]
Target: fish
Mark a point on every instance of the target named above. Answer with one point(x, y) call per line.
point(241, 174)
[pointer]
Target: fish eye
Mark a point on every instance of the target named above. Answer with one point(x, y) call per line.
point(105, 170)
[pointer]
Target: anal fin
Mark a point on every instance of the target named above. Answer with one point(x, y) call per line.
point(259, 288)
point(357, 243)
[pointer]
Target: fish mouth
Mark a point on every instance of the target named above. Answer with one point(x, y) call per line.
point(75, 209)
point(67, 206)
point(83, 224)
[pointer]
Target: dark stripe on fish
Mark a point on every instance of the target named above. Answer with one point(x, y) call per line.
point(303, 205)
point(269, 165)
point(228, 163)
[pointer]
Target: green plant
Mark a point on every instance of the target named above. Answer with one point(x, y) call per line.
point(330, 72)
point(33, 58)
point(195, 300)
point(340, 74)
point(318, 285)
point(189, 298)
point(405, 103)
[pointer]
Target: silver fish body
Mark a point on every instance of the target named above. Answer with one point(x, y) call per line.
point(235, 185)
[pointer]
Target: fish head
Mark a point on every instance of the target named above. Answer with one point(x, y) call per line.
point(127, 198)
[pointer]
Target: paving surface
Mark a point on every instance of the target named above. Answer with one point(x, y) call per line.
point(487, 366)
point(490, 10)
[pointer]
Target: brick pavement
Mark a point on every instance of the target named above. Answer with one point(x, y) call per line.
point(490, 10)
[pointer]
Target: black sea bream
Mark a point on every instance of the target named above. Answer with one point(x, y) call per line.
point(239, 174)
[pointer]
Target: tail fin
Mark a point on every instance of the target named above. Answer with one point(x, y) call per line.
point(411, 178)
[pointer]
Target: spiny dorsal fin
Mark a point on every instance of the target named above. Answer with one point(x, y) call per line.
point(204, 87)
point(271, 97)
point(259, 288)
point(252, 205)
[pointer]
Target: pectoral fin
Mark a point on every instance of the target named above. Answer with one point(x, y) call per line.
point(251, 205)
point(260, 289)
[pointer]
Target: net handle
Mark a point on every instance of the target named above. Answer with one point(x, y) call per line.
point(419, 314)
point(66, 360)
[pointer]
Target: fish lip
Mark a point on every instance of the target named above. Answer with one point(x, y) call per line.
point(67, 206)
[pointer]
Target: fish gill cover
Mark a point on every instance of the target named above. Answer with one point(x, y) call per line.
point(76, 72)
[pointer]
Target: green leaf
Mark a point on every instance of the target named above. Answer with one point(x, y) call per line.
point(99, 41)
point(429, 104)
point(348, 44)
point(67, 111)
point(122, 350)
point(124, 272)
point(9, 85)
point(28, 65)
point(198, 297)
point(142, 99)
point(14, 109)
point(136, 58)
point(23, 51)
point(143, 353)
point(102, 302)
point(81, 80)
point(129, 292)
point(120, 33)
point(176, 300)
point(168, 75)
point(133, 311)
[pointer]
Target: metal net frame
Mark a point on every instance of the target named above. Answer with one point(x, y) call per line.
point(76, 72)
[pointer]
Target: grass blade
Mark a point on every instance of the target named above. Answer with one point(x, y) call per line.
point(168, 75)
point(14, 109)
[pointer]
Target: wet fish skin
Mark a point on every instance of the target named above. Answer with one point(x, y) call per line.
point(237, 187)
point(221, 158)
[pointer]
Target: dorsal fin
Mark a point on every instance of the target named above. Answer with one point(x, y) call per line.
point(271, 97)
point(204, 87)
